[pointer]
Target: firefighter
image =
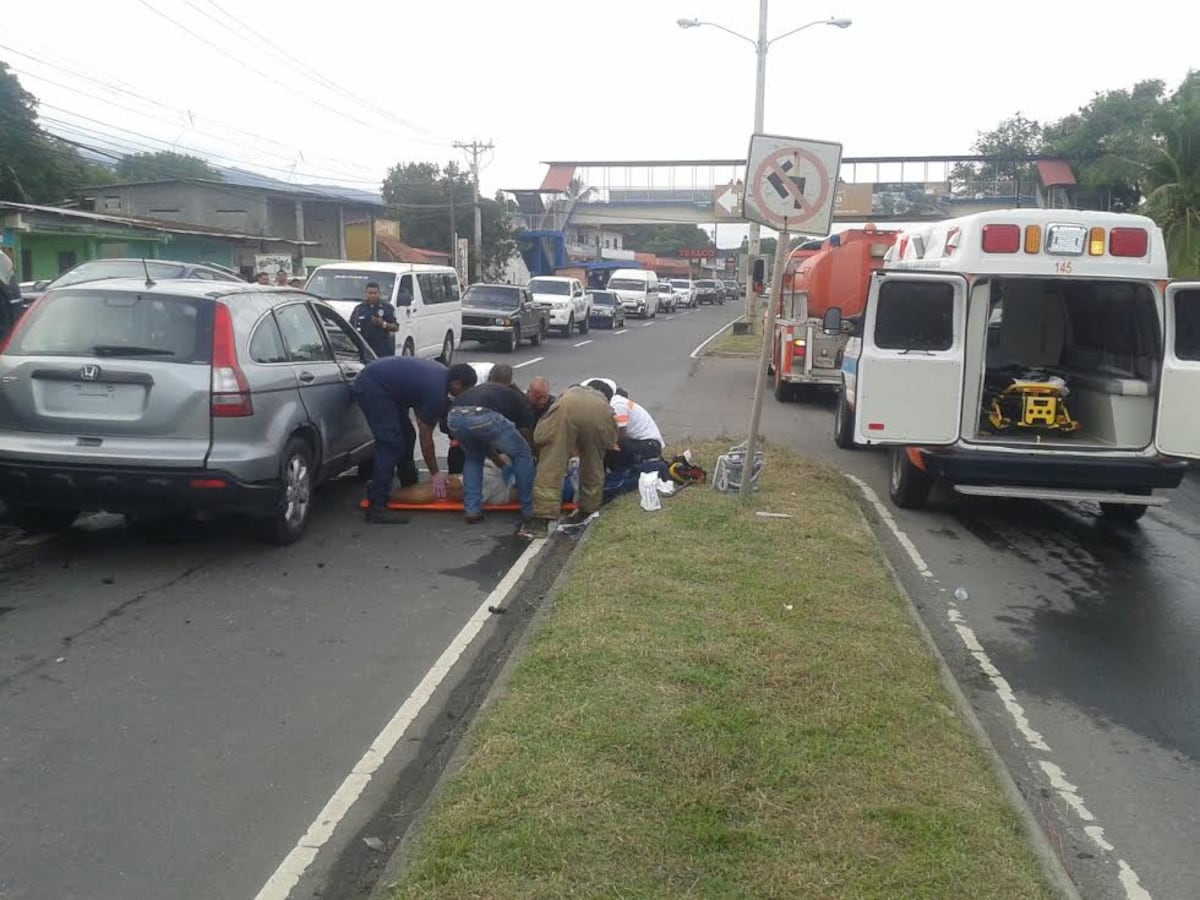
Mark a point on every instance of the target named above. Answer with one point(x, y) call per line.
point(580, 421)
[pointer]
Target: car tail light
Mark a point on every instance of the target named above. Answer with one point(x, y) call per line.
point(230, 390)
point(1096, 242)
point(798, 346)
point(1128, 242)
point(1001, 238)
point(207, 483)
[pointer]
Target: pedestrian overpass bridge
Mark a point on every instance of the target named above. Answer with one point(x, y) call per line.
point(576, 193)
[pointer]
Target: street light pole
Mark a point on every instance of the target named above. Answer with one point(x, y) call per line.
point(760, 102)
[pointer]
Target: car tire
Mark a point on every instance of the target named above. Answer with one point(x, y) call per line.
point(843, 423)
point(287, 523)
point(513, 342)
point(535, 340)
point(585, 324)
point(408, 349)
point(785, 391)
point(447, 357)
point(570, 326)
point(1123, 513)
point(40, 520)
point(908, 486)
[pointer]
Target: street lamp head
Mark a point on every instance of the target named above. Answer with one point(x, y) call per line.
point(840, 23)
point(688, 23)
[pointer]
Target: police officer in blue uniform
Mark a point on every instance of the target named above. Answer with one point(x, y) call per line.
point(375, 320)
point(387, 390)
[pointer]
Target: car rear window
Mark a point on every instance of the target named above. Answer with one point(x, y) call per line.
point(122, 324)
point(346, 284)
point(102, 269)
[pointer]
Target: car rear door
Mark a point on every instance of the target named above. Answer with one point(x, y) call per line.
point(110, 377)
point(1177, 430)
point(324, 390)
point(910, 372)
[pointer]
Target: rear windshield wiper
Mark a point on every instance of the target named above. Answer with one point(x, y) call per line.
point(129, 350)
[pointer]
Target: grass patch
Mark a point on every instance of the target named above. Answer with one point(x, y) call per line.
point(722, 705)
point(730, 344)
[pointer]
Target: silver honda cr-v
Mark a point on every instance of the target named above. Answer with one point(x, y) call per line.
point(155, 398)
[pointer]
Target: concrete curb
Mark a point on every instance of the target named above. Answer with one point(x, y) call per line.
point(1052, 867)
point(402, 855)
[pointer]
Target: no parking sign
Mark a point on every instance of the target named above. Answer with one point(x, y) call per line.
point(790, 183)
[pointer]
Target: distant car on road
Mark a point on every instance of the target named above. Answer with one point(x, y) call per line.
point(686, 290)
point(668, 300)
point(177, 397)
point(607, 310)
point(502, 314)
point(104, 269)
point(709, 291)
point(564, 302)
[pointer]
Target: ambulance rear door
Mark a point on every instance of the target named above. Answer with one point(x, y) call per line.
point(910, 374)
point(1177, 431)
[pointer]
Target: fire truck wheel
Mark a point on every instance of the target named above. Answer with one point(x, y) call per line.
point(784, 390)
point(843, 422)
point(1123, 513)
point(908, 486)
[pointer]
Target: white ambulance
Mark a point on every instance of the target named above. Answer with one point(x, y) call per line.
point(1027, 353)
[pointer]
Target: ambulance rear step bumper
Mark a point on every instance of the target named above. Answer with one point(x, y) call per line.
point(1077, 496)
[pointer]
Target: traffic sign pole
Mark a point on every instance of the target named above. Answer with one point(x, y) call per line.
point(783, 245)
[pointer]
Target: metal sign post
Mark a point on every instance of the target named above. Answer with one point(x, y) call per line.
point(782, 246)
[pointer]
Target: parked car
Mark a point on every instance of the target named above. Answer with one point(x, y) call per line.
point(427, 298)
point(502, 314)
point(709, 291)
point(667, 298)
point(686, 291)
point(177, 397)
point(607, 310)
point(104, 269)
point(638, 290)
point(564, 302)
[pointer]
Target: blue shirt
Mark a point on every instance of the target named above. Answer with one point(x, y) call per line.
point(363, 319)
point(422, 385)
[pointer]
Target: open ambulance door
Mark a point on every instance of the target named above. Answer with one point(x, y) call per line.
point(1177, 429)
point(910, 374)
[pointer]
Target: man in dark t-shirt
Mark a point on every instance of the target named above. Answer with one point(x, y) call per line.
point(489, 420)
point(387, 389)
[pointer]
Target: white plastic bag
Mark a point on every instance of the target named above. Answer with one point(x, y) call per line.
point(648, 488)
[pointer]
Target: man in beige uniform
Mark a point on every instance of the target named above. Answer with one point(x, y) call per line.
point(581, 420)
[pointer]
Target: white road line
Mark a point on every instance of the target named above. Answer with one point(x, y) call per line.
point(647, 324)
point(1068, 792)
point(712, 337)
point(584, 343)
point(296, 863)
point(529, 362)
point(622, 331)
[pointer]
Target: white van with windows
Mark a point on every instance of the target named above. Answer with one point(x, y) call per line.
point(428, 301)
point(1030, 353)
point(637, 290)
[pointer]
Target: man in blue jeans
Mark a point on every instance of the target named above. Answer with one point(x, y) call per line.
point(387, 390)
point(492, 420)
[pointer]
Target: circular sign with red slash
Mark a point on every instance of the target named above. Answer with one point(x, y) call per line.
point(790, 187)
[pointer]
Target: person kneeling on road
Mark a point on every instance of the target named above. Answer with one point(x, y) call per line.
point(581, 419)
point(638, 437)
point(387, 390)
point(492, 420)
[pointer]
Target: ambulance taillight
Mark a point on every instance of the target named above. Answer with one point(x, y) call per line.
point(1128, 242)
point(1001, 238)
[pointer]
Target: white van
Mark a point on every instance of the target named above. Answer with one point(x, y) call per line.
point(1030, 353)
point(637, 290)
point(428, 301)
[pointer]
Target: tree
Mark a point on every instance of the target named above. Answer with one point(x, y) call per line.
point(663, 240)
point(1109, 142)
point(163, 165)
point(420, 196)
point(35, 167)
point(1172, 178)
point(1012, 140)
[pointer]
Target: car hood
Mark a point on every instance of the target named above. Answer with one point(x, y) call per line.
point(550, 298)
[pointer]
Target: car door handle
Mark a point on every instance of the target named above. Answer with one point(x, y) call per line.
point(307, 377)
point(349, 373)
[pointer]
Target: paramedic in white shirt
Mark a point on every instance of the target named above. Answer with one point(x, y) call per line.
point(638, 436)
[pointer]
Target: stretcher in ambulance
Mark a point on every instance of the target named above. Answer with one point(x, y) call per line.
point(1026, 353)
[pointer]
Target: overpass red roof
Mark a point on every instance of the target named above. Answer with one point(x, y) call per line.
point(559, 177)
point(1055, 173)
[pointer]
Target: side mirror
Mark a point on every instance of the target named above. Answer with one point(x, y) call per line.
point(832, 321)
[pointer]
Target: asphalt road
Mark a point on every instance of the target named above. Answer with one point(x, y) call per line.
point(1095, 628)
point(178, 708)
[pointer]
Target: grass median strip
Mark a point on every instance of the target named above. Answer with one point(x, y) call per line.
point(731, 344)
point(726, 705)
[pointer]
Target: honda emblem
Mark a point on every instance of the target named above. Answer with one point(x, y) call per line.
point(89, 373)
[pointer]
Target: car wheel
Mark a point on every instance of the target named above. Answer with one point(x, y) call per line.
point(291, 515)
point(408, 350)
point(585, 324)
point(908, 486)
point(1123, 513)
point(447, 357)
point(514, 340)
point(784, 390)
point(535, 340)
point(570, 326)
point(38, 520)
point(843, 423)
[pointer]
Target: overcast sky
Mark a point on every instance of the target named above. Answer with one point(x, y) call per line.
point(341, 91)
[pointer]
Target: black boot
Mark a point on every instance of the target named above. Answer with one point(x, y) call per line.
point(381, 515)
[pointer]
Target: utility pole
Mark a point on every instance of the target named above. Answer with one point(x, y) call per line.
point(474, 149)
